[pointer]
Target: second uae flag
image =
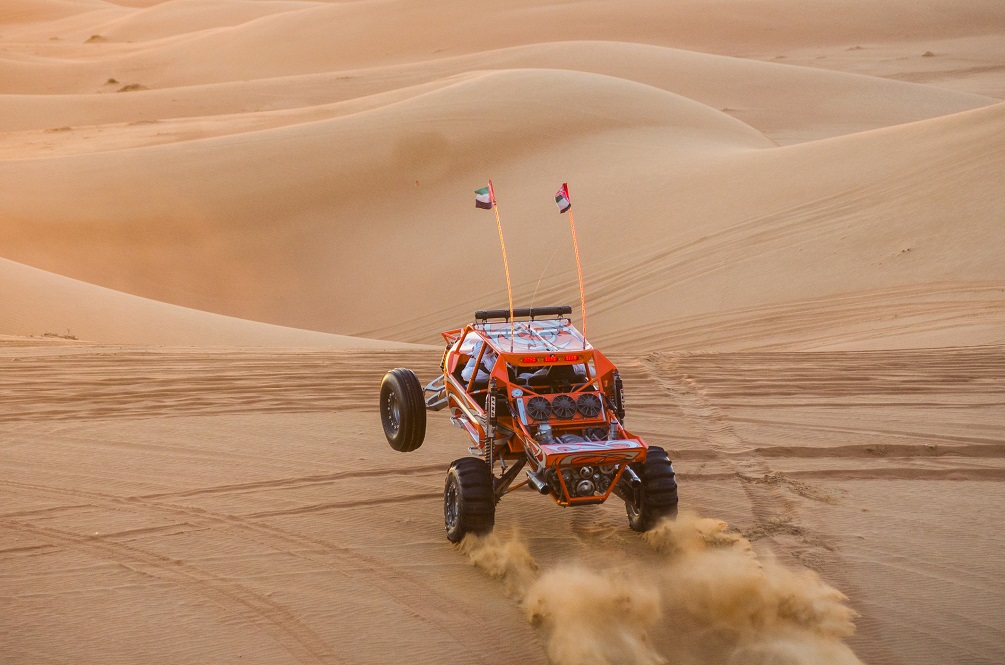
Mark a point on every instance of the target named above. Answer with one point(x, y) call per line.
point(562, 198)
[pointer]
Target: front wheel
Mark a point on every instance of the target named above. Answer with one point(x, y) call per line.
point(469, 504)
point(657, 498)
point(402, 410)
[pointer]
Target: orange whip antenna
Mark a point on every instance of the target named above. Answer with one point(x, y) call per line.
point(564, 204)
point(486, 198)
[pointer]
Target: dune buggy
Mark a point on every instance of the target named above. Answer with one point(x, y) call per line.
point(533, 395)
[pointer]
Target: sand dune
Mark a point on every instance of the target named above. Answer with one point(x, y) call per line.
point(782, 101)
point(226, 196)
point(220, 204)
point(235, 143)
point(214, 212)
point(330, 151)
point(36, 303)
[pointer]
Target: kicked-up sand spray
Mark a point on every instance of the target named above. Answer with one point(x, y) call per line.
point(709, 599)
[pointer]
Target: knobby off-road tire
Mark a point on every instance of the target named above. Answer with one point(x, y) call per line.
point(469, 504)
point(402, 410)
point(657, 498)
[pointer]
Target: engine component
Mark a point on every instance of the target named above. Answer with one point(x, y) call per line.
point(563, 407)
point(586, 480)
point(544, 434)
point(595, 433)
point(538, 408)
point(589, 405)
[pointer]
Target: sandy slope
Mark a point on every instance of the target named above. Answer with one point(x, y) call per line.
point(35, 302)
point(216, 205)
point(790, 217)
point(369, 131)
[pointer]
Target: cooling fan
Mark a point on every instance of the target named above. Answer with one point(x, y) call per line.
point(589, 405)
point(563, 407)
point(538, 408)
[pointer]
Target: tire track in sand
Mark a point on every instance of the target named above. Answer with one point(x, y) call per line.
point(295, 637)
point(423, 601)
point(78, 383)
point(294, 483)
point(774, 512)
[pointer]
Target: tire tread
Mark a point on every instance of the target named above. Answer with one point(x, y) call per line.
point(658, 493)
point(477, 510)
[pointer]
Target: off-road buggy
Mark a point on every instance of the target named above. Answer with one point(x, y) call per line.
point(530, 392)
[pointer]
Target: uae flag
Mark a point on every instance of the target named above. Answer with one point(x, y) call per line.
point(483, 199)
point(562, 198)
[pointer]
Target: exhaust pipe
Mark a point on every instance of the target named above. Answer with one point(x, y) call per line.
point(537, 483)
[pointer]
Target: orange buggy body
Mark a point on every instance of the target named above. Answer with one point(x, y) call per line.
point(532, 394)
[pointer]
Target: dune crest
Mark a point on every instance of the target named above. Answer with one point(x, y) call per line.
point(36, 303)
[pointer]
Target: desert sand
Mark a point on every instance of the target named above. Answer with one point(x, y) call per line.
point(221, 221)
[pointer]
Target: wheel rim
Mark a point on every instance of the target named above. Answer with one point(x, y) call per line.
point(393, 412)
point(634, 508)
point(451, 506)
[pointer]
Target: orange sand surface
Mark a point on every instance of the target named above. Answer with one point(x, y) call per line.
point(221, 221)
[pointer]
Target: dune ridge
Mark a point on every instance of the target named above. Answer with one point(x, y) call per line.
point(36, 302)
point(782, 93)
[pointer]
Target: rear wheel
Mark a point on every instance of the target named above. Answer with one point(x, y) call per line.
point(469, 504)
point(402, 410)
point(657, 497)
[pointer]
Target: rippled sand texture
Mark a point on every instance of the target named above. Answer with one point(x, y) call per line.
point(226, 506)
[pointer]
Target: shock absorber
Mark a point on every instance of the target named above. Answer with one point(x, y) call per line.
point(491, 421)
point(619, 397)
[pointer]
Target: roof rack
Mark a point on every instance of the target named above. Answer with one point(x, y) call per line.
point(531, 312)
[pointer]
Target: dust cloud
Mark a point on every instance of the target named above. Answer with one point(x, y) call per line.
point(706, 598)
point(507, 560)
point(595, 617)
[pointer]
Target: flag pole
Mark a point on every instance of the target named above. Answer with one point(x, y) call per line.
point(564, 202)
point(502, 243)
point(579, 272)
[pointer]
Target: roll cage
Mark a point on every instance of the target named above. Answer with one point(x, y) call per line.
point(550, 399)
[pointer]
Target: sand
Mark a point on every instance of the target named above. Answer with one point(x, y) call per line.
point(221, 221)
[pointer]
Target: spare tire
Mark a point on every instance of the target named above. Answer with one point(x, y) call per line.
point(402, 410)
